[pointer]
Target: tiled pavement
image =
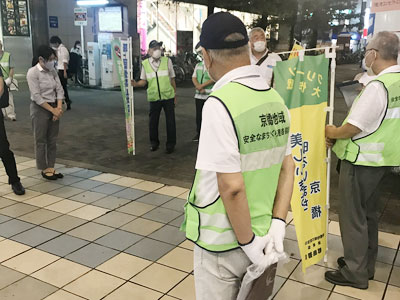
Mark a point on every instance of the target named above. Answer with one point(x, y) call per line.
point(95, 236)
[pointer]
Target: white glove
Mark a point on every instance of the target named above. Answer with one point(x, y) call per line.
point(8, 81)
point(277, 234)
point(255, 249)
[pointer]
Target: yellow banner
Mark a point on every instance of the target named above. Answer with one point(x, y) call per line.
point(304, 87)
point(294, 52)
point(309, 192)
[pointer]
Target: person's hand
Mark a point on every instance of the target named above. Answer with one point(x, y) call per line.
point(255, 249)
point(175, 101)
point(277, 234)
point(329, 142)
point(55, 118)
point(329, 131)
point(133, 83)
point(8, 81)
point(57, 112)
point(65, 74)
point(202, 91)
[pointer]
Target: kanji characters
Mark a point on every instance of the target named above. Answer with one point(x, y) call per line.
point(290, 84)
point(316, 212)
point(317, 90)
point(315, 187)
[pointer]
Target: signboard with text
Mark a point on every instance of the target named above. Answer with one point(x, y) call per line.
point(384, 5)
point(80, 16)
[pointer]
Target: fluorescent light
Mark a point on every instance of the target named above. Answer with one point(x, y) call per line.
point(92, 2)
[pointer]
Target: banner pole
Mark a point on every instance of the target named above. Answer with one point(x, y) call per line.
point(330, 110)
point(131, 93)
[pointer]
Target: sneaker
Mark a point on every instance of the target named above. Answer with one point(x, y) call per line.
point(195, 138)
point(18, 189)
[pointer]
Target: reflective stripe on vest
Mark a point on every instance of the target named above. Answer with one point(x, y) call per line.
point(5, 63)
point(379, 148)
point(206, 221)
point(159, 83)
point(203, 76)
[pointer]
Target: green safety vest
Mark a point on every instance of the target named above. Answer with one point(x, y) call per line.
point(261, 123)
point(5, 63)
point(159, 83)
point(203, 76)
point(380, 148)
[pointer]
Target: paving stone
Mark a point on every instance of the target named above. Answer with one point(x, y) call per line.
point(9, 276)
point(63, 245)
point(108, 188)
point(169, 234)
point(155, 199)
point(92, 255)
point(66, 192)
point(115, 219)
point(13, 227)
point(69, 179)
point(150, 249)
point(64, 223)
point(27, 288)
point(175, 204)
point(46, 187)
point(111, 202)
point(86, 173)
point(88, 197)
point(131, 194)
point(87, 184)
point(119, 240)
point(162, 215)
point(35, 236)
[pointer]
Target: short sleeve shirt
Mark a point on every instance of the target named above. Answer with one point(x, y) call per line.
point(155, 64)
point(374, 96)
point(267, 66)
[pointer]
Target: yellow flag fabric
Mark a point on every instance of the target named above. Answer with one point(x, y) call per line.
point(295, 51)
point(304, 87)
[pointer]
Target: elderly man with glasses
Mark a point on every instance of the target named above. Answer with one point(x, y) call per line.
point(367, 144)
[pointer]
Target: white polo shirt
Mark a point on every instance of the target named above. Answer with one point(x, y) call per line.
point(368, 112)
point(267, 67)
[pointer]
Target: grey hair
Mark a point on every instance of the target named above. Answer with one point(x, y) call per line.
point(387, 43)
point(221, 55)
point(256, 29)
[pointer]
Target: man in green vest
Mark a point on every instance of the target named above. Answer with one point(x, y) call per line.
point(7, 67)
point(203, 84)
point(236, 209)
point(158, 73)
point(367, 144)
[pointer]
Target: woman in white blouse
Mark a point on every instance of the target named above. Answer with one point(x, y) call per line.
point(46, 110)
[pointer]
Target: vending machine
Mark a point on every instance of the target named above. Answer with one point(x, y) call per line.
point(94, 64)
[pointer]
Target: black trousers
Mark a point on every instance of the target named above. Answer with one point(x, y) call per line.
point(64, 85)
point(199, 112)
point(6, 154)
point(155, 111)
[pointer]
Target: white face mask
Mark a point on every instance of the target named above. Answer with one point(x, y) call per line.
point(370, 72)
point(260, 46)
point(156, 54)
point(49, 65)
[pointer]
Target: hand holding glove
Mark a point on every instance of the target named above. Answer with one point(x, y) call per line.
point(277, 234)
point(255, 249)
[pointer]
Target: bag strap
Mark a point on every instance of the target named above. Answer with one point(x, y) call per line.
point(12, 81)
point(262, 59)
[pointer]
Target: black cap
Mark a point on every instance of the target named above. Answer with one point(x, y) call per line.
point(217, 27)
point(154, 44)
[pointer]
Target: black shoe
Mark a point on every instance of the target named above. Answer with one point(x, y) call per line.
point(169, 150)
point(18, 189)
point(341, 263)
point(59, 175)
point(195, 138)
point(49, 177)
point(68, 106)
point(153, 148)
point(336, 277)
